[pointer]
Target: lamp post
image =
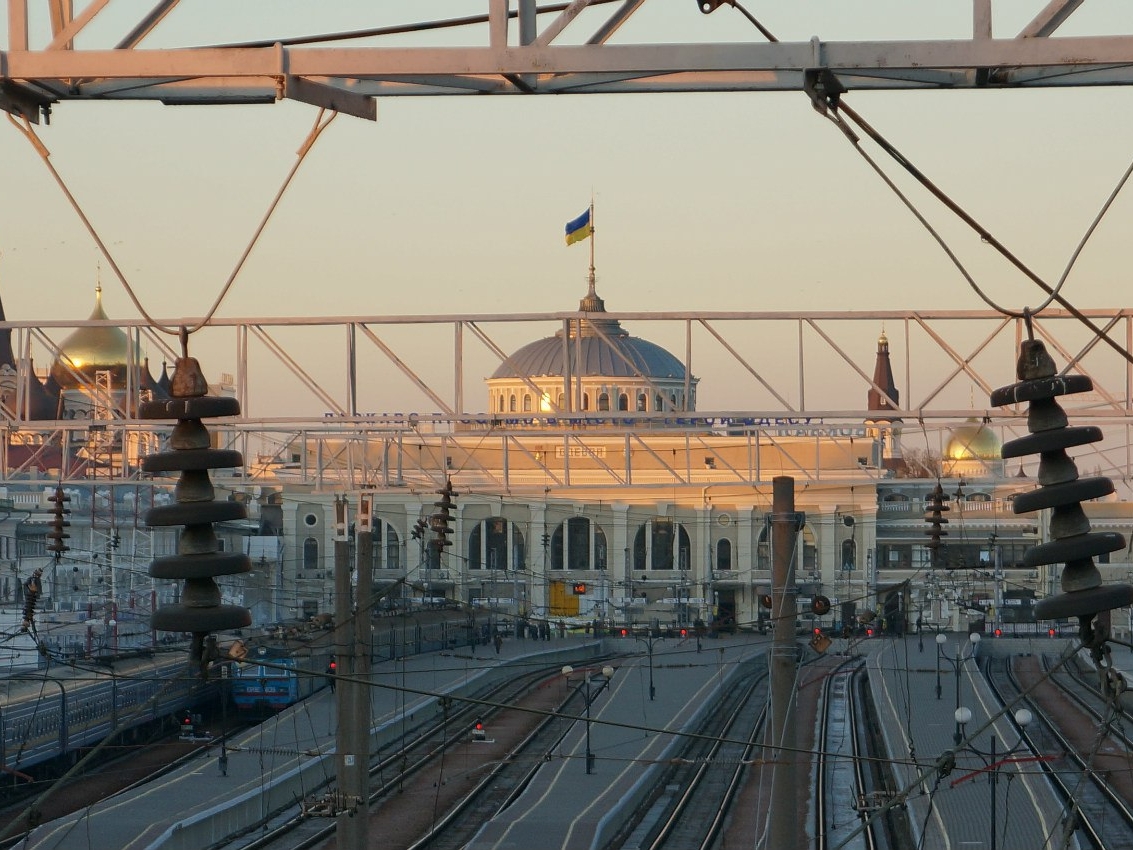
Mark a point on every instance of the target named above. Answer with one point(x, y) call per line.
point(607, 673)
point(957, 665)
point(991, 758)
point(649, 641)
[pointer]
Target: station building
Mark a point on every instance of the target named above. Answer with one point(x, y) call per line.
point(594, 492)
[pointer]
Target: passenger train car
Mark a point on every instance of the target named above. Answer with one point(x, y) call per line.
point(283, 668)
point(49, 715)
point(274, 677)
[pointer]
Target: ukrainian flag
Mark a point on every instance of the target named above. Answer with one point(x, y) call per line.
point(578, 229)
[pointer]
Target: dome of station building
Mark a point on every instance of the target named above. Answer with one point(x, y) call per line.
point(973, 441)
point(973, 451)
point(618, 371)
point(90, 350)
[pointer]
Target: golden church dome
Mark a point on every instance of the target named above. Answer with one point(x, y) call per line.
point(973, 441)
point(93, 349)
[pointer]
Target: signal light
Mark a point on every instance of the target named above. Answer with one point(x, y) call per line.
point(580, 588)
point(478, 733)
point(625, 632)
point(765, 600)
point(869, 632)
point(1050, 632)
point(817, 631)
point(820, 605)
point(684, 633)
point(999, 632)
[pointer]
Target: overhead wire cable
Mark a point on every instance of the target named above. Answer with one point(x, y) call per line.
point(833, 112)
point(26, 130)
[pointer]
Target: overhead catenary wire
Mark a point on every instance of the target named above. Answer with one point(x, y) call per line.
point(831, 105)
point(835, 108)
point(25, 128)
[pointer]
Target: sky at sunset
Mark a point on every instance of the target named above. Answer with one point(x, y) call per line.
point(457, 205)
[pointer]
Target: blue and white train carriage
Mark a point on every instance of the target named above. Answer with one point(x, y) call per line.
point(274, 677)
point(48, 715)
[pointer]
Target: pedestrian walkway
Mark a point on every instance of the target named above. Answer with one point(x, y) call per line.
point(286, 758)
point(917, 719)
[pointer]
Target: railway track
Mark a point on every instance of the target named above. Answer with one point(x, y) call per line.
point(691, 800)
point(1085, 758)
point(441, 782)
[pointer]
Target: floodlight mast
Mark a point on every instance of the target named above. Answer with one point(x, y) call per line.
point(524, 58)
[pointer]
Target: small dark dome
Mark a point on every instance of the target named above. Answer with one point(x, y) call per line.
point(42, 403)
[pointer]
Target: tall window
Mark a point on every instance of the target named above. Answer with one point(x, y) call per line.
point(578, 544)
point(604, 401)
point(623, 402)
point(496, 544)
point(311, 553)
point(724, 554)
point(662, 544)
point(385, 546)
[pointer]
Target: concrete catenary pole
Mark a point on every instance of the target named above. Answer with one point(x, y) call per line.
point(351, 830)
point(363, 646)
point(783, 820)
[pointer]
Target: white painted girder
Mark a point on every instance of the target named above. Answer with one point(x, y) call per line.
point(257, 72)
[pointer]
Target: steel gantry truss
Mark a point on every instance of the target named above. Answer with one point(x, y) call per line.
point(521, 47)
point(351, 399)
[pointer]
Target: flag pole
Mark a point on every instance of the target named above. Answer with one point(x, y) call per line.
point(592, 232)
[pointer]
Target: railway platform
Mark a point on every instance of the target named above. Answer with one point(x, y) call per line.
point(220, 793)
point(630, 737)
point(916, 691)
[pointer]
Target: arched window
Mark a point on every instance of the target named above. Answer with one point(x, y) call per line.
point(724, 554)
point(311, 554)
point(642, 402)
point(659, 402)
point(527, 402)
point(578, 544)
point(385, 546)
point(662, 544)
point(849, 554)
point(511, 404)
point(586, 401)
point(623, 402)
point(561, 402)
point(496, 544)
point(604, 401)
